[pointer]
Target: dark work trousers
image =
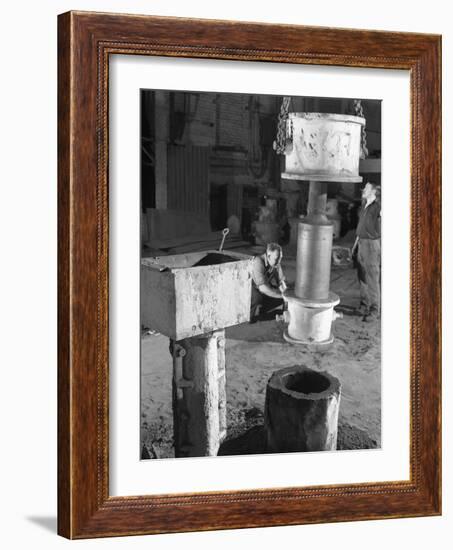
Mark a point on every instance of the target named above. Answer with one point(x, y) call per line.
point(369, 272)
point(267, 303)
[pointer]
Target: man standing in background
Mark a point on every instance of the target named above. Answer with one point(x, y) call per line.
point(368, 248)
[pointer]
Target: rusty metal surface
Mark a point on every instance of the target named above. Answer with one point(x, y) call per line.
point(182, 301)
point(325, 147)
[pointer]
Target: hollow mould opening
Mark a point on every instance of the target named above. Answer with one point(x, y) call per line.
point(213, 258)
point(188, 260)
point(307, 382)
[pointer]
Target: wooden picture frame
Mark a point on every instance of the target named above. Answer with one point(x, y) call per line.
point(85, 41)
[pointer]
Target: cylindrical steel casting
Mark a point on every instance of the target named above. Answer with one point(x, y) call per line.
point(325, 147)
point(310, 322)
point(301, 410)
point(314, 251)
point(199, 398)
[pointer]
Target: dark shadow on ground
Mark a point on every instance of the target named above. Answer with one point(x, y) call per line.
point(253, 441)
point(261, 331)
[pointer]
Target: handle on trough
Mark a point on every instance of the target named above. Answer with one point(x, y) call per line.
point(224, 234)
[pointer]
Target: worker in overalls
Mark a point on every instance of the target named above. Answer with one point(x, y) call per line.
point(268, 283)
point(367, 253)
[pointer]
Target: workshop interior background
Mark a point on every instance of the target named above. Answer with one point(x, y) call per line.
point(213, 380)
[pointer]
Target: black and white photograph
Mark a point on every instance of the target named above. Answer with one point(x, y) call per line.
point(227, 262)
point(260, 291)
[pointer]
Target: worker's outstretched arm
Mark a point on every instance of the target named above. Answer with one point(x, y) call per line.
point(269, 291)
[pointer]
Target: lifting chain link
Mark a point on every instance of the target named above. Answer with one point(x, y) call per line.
point(358, 109)
point(283, 138)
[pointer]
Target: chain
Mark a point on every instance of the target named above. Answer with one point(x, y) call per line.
point(282, 138)
point(358, 108)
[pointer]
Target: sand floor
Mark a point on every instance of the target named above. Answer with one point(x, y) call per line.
point(253, 352)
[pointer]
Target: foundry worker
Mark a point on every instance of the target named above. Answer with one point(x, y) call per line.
point(268, 282)
point(368, 248)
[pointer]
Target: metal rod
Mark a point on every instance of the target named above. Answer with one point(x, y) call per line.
point(224, 234)
point(317, 201)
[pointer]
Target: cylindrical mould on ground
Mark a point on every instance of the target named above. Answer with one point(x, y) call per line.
point(301, 410)
point(314, 251)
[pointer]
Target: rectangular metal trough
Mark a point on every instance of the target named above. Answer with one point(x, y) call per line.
point(182, 299)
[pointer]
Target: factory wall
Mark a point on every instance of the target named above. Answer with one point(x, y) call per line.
point(219, 148)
